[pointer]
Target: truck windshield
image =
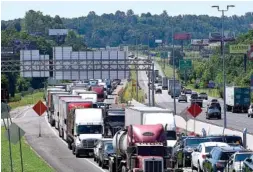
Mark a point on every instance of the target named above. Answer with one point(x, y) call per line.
point(116, 118)
point(100, 96)
point(151, 150)
point(89, 129)
point(171, 135)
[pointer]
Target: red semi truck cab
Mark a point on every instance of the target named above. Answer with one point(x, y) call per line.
point(140, 148)
point(100, 92)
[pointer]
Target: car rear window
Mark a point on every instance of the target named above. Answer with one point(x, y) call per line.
point(226, 155)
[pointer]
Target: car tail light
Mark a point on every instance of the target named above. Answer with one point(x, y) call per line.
point(203, 156)
point(219, 164)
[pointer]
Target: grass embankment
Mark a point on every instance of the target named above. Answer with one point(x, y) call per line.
point(168, 71)
point(27, 100)
point(130, 90)
point(31, 161)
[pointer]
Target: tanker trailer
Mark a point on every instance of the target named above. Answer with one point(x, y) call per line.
point(139, 148)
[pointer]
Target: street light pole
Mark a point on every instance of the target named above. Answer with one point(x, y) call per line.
point(223, 62)
point(174, 71)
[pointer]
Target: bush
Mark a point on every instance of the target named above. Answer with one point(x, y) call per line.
point(15, 99)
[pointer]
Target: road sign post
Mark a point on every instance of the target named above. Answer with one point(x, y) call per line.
point(39, 108)
point(194, 110)
point(184, 65)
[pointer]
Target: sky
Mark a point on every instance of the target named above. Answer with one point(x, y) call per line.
point(69, 9)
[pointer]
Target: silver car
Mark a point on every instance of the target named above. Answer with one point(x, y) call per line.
point(182, 97)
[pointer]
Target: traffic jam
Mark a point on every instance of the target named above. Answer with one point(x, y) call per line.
point(123, 137)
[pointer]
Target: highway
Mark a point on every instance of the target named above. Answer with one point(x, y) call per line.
point(236, 121)
point(50, 146)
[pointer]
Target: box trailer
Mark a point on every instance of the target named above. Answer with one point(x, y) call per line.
point(238, 99)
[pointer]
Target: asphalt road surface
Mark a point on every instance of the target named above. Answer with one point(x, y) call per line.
point(51, 147)
point(236, 121)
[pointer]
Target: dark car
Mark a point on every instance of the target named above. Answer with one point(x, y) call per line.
point(218, 158)
point(187, 91)
point(248, 164)
point(213, 112)
point(203, 96)
point(184, 149)
point(104, 153)
point(232, 140)
point(182, 97)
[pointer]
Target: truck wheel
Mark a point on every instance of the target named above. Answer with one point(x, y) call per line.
point(99, 163)
point(123, 169)
point(69, 145)
point(59, 132)
point(73, 150)
point(103, 165)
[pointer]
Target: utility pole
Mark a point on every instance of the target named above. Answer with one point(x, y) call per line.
point(174, 71)
point(137, 83)
point(149, 100)
point(223, 61)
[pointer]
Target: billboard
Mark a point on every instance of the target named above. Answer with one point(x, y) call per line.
point(216, 36)
point(200, 42)
point(182, 36)
point(158, 41)
point(58, 32)
point(238, 49)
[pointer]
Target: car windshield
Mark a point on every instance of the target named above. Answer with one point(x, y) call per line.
point(195, 142)
point(209, 148)
point(89, 129)
point(234, 140)
point(226, 155)
point(171, 135)
point(108, 147)
point(242, 157)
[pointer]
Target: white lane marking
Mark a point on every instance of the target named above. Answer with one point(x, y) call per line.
point(95, 165)
point(24, 113)
point(55, 132)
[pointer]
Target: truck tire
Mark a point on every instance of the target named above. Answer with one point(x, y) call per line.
point(111, 167)
point(73, 150)
point(69, 145)
point(123, 169)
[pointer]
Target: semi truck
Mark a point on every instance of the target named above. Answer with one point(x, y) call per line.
point(139, 148)
point(69, 108)
point(114, 120)
point(51, 118)
point(171, 85)
point(56, 107)
point(164, 83)
point(89, 96)
point(238, 99)
point(154, 115)
point(63, 103)
point(87, 130)
point(100, 92)
point(48, 97)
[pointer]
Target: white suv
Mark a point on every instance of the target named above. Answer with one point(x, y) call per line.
point(235, 162)
point(250, 111)
point(199, 154)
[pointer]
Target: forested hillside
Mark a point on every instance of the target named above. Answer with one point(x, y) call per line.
point(211, 69)
point(123, 28)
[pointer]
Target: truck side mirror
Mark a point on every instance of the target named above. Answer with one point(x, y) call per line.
point(65, 121)
point(72, 131)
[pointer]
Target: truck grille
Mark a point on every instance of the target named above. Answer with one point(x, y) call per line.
point(88, 143)
point(153, 166)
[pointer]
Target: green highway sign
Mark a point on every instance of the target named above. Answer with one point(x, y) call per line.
point(185, 64)
point(238, 49)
